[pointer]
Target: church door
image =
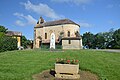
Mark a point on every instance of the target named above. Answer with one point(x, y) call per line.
point(40, 42)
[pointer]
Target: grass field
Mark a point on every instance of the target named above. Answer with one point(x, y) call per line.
point(21, 65)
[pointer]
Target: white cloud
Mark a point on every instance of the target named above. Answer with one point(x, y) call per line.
point(29, 19)
point(20, 23)
point(73, 1)
point(41, 9)
point(83, 24)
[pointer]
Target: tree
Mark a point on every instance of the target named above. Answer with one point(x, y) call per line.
point(8, 44)
point(116, 37)
point(108, 38)
point(99, 41)
point(25, 42)
point(2, 34)
point(88, 39)
point(3, 29)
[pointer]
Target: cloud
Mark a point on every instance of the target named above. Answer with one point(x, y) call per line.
point(73, 1)
point(24, 20)
point(41, 9)
point(20, 23)
point(87, 25)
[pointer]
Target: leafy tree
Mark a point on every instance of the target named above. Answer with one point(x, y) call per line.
point(25, 42)
point(2, 34)
point(108, 38)
point(3, 29)
point(88, 39)
point(8, 44)
point(116, 37)
point(99, 41)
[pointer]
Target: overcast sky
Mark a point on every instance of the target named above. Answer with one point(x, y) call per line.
point(92, 15)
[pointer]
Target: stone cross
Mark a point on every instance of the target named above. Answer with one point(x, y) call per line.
point(52, 41)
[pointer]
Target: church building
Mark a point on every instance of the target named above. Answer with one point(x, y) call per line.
point(67, 34)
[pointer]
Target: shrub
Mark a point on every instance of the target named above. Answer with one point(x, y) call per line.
point(2, 34)
point(8, 44)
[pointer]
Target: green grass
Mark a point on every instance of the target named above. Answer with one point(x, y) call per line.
point(21, 65)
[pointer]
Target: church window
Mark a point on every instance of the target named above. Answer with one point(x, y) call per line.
point(68, 33)
point(45, 35)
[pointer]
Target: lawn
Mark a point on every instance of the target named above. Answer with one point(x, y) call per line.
point(21, 65)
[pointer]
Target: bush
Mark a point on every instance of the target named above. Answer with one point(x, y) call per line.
point(8, 44)
point(58, 46)
point(25, 42)
point(2, 34)
point(45, 46)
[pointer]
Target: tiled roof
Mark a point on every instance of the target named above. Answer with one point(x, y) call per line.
point(56, 22)
point(13, 33)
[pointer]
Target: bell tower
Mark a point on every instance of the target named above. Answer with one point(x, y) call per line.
point(41, 20)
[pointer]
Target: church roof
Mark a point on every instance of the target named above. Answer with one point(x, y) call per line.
point(56, 22)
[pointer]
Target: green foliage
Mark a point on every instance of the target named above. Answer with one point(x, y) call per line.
point(3, 29)
point(105, 40)
point(108, 38)
point(22, 65)
point(25, 42)
point(58, 46)
point(2, 34)
point(116, 37)
point(99, 41)
point(45, 46)
point(7, 44)
point(88, 39)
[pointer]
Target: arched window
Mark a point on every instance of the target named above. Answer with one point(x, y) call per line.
point(45, 35)
point(68, 33)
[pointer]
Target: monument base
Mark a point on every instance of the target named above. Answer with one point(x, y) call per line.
point(68, 76)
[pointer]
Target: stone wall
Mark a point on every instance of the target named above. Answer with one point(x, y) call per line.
point(71, 44)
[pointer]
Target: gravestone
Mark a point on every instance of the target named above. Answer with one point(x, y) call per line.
point(52, 41)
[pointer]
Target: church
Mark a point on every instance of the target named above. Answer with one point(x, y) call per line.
point(67, 34)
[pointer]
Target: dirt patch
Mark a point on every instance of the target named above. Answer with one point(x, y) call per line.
point(49, 75)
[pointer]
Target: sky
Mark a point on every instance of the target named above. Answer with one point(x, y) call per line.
point(92, 15)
